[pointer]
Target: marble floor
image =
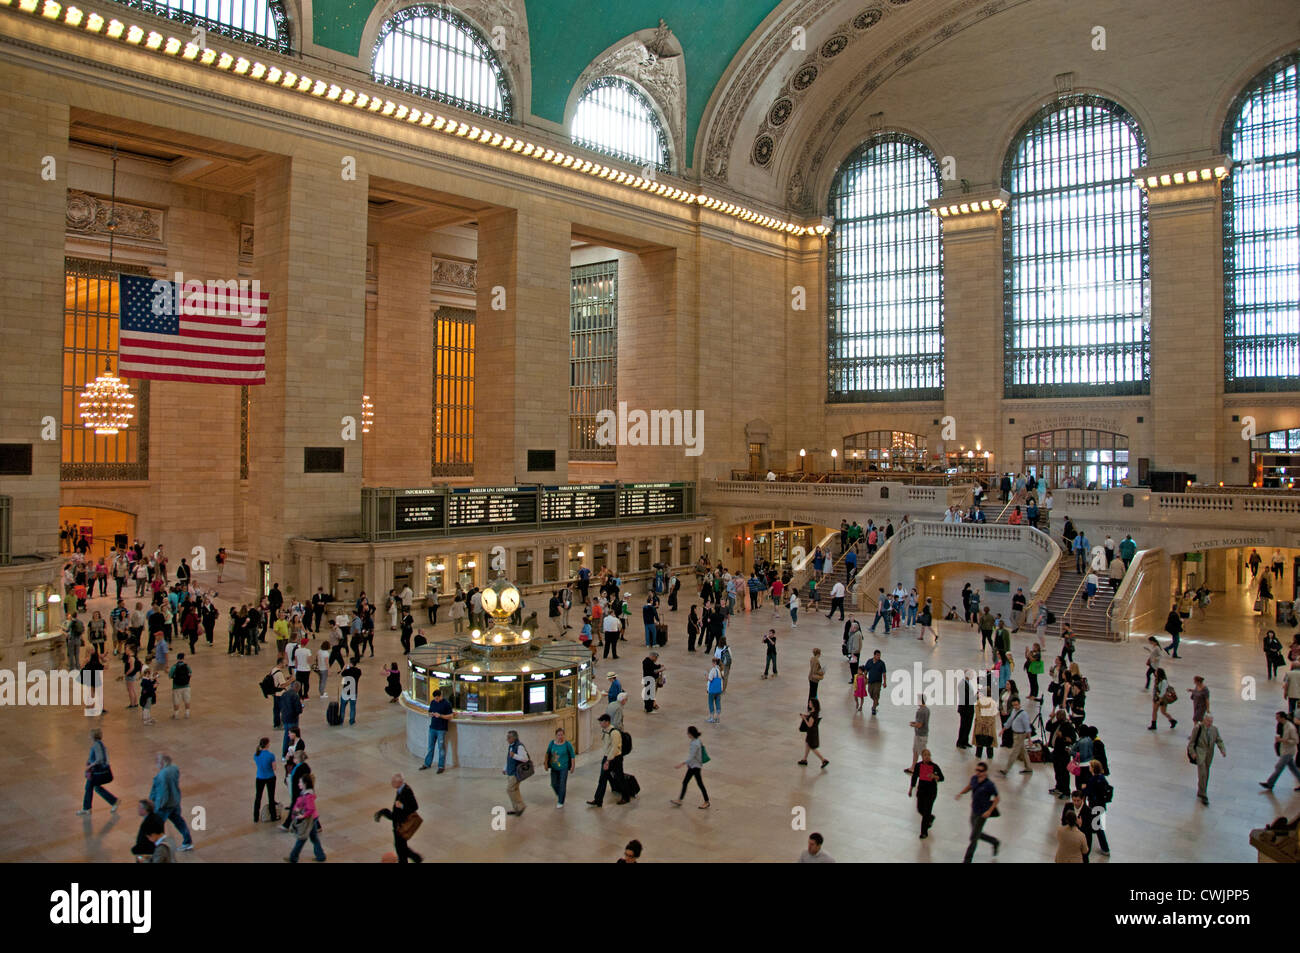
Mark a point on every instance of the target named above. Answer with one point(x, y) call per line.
point(859, 802)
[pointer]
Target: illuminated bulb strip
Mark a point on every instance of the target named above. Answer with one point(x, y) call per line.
point(1188, 177)
point(227, 62)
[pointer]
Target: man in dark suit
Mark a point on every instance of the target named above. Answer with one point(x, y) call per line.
point(966, 692)
point(404, 805)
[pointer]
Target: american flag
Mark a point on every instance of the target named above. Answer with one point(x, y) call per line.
point(202, 337)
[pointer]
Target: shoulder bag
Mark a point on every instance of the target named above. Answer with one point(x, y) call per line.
point(406, 830)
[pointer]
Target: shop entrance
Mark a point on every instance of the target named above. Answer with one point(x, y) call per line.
point(776, 542)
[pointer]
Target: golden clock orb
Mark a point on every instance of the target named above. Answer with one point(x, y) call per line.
point(489, 600)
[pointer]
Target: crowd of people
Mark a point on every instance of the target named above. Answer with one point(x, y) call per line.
point(1049, 725)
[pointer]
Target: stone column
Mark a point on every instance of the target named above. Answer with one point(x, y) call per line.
point(399, 449)
point(195, 427)
point(1186, 222)
point(972, 318)
point(522, 345)
point(310, 255)
point(31, 300)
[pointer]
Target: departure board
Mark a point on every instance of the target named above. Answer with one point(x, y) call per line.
point(420, 511)
point(590, 502)
point(491, 506)
point(652, 499)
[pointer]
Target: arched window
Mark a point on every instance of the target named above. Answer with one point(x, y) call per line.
point(885, 281)
point(431, 51)
point(1076, 265)
point(260, 22)
point(616, 118)
point(1261, 233)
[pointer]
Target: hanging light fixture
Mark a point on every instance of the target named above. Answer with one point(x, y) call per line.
point(367, 413)
point(107, 404)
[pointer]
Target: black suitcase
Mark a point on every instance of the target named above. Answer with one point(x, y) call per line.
point(661, 634)
point(630, 786)
point(333, 714)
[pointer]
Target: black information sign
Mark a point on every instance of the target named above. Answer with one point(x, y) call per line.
point(566, 503)
point(652, 499)
point(491, 506)
point(421, 511)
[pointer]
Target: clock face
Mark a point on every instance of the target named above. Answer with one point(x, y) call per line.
point(489, 600)
point(510, 600)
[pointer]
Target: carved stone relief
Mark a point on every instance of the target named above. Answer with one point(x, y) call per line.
point(91, 214)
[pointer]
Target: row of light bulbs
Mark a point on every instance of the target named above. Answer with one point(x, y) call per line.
point(286, 79)
point(1180, 178)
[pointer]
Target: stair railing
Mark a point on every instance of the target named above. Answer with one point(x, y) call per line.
point(1120, 620)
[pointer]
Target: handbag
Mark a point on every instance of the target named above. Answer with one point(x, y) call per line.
point(302, 826)
point(1170, 696)
point(715, 685)
point(99, 774)
point(1075, 766)
point(406, 830)
point(525, 770)
point(1259, 605)
point(1035, 667)
point(803, 726)
point(704, 755)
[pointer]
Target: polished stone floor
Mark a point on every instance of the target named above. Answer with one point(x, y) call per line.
point(859, 802)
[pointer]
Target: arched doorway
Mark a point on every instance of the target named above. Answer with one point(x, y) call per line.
point(1094, 459)
point(102, 525)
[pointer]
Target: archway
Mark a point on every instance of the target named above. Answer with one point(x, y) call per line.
point(104, 526)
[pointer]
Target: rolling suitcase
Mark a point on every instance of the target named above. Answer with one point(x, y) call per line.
point(661, 634)
point(333, 715)
point(630, 786)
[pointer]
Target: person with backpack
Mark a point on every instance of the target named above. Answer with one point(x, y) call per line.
point(715, 693)
point(272, 685)
point(1162, 697)
point(1097, 793)
point(180, 676)
point(516, 758)
point(611, 763)
point(696, 758)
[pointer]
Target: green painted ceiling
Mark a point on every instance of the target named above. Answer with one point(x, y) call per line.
point(566, 35)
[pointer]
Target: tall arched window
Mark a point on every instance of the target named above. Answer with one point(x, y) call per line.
point(1076, 264)
point(260, 22)
point(885, 281)
point(616, 118)
point(1261, 233)
point(431, 51)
